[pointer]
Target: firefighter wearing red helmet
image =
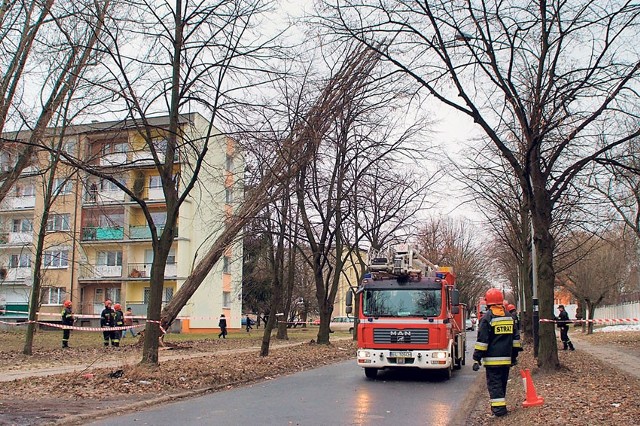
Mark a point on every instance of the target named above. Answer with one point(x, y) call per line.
point(497, 347)
point(107, 319)
point(119, 320)
point(67, 319)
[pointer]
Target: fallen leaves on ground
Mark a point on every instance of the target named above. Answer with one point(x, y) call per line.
point(583, 392)
point(222, 365)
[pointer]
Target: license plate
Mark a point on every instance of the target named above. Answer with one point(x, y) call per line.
point(403, 354)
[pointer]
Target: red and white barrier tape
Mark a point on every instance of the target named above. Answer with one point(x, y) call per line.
point(595, 321)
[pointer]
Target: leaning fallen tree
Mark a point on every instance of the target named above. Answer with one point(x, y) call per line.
point(298, 149)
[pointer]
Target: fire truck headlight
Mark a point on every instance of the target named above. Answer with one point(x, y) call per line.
point(440, 355)
point(364, 354)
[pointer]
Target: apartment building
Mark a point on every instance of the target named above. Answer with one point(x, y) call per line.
point(98, 243)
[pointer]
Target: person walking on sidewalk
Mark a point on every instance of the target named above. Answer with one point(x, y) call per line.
point(248, 324)
point(497, 347)
point(67, 319)
point(563, 325)
point(107, 319)
point(223, 327)
point(128, 321)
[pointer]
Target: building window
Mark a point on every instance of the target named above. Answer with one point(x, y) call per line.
point(226, 265)
point(167, 294)
point(120, 147)
point(28, 190)
point(58, 222)
point(69, 147)
point(109, 258)
point(22, 225)
point(229, 163)
point(107, 185)
point(226, 299)
point(160, 145)
point(171, 258)
point(53, 295)
point(98, 296)
point(20, 261)
point(146, 295)
point(113, 294)
point(228, 195)
point(62, 186)
point(155, 182)
point(55, 259)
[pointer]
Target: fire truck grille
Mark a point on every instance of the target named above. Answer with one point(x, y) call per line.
point(390, 335)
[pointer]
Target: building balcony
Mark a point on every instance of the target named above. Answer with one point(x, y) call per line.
point(16, 238)
point(90, 233)
point(18, 203)
point(143, 270)
point(104, 197)
point(144, 158)
point(16, 276)
point(115, 159)
point(144, 233)
point(91, 271)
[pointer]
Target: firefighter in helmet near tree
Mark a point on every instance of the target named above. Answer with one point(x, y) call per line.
point(107, 320)
point(118, 316)
point(67, 319)
point(497, 347)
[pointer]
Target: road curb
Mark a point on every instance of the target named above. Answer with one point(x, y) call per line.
point(463, 414)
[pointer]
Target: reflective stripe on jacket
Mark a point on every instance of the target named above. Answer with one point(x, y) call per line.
point(498, 339)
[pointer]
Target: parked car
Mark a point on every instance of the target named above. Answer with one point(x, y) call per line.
point(470, 324)
point(342, 324)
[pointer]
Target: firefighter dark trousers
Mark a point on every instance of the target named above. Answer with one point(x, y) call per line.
point(497, 378)
point(107, 336)
point(564, 336)
point(65, 338)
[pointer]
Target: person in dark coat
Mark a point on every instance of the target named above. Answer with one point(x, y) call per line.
point(67, 319)
point(248, 324)
point(563, 325)
point(118, 317)
point(497, 347)
point(223, 327)
point(107, 319)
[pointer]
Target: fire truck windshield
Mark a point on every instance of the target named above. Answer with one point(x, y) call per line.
point(402, 303)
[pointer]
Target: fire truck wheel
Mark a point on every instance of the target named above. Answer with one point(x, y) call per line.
point(447, 372)
point(371, 373)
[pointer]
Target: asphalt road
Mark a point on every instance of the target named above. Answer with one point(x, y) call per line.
point(338, 394)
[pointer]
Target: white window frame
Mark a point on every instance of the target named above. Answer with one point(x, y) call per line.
point(109, 258)
point(59, 222)
point(53, 295)
point(228, 195)
point(22, 260)
point(22, 225)
point(229, 163)
point(62, 186)
point(226, 299)
point(55, 259)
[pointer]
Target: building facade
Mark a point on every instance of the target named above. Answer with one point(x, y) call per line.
point(97, 243)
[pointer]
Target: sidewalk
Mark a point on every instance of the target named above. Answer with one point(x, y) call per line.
point(614, 356)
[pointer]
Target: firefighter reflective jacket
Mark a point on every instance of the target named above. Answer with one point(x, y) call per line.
point(119, 318)
point(498, 339)
point(107, 318)
point(67, 316)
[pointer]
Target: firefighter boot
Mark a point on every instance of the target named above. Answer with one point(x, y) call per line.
point(565, 345)
point(571, 348)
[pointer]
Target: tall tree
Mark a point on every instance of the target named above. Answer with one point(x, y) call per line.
point(521, 72)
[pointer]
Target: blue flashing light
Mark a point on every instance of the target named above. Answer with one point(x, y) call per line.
point(440, 275)
point(367, 275)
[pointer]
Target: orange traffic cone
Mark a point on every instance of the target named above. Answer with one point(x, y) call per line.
point(532, 399)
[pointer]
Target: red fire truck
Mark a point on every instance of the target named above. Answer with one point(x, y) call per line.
point(409, 315)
